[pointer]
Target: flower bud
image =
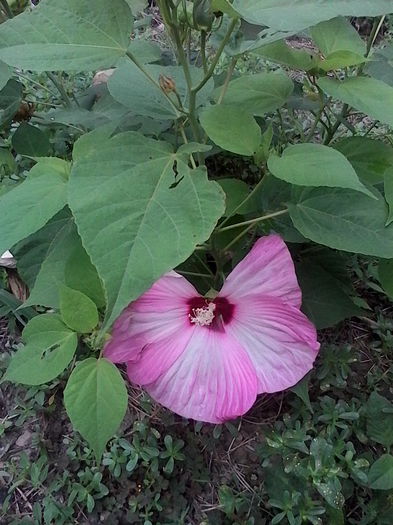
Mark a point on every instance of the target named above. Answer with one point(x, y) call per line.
point(203, 15)
point(167, 84)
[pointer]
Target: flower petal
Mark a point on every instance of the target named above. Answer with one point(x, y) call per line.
point(156, 358)
point(160, 312)
point(213, 380)
point(280, 340)
point(268, 270)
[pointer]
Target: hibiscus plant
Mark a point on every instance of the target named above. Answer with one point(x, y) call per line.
point(138, 247)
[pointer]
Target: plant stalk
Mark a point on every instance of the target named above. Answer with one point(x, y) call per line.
point(252, 221)
point(6, 8)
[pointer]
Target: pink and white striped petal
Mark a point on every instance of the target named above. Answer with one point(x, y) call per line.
point(280, 340)
point(159, 313)
point(267, 270)
point(213, 380)
point(158, 357)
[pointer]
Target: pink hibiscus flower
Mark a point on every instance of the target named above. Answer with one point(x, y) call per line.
point(207, 359)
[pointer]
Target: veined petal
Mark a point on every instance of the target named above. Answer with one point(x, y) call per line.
point(280, 340)
point(158, 357)
point(213, 380)
point(267, 270)
point(159, 313)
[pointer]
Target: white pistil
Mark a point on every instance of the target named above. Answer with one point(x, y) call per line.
point(203, 316)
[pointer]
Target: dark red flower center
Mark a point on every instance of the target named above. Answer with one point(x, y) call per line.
point(200, 308)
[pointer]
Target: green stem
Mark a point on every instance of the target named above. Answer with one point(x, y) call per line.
point(42, 86)
point(195, 274)
point(185, 140)
point(187, 74)
point(204, 264)
point(60, 88)
point(217, 56)
point(313, 128)
point(237, 238)
point(252, 221)
point(228, 77)
point(6, 8)
point(340, 118)
point(203, 51)
point(374, 33)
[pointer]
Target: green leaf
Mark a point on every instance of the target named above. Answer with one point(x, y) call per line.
point(232, 128)
point(5, 74)
point(282, 53)
point(236, 192)
point(80, 274)
point(96, 401)
point(380, 420)
point(259, 94)
point(37, 199)
point(225, 7)
point(77, 310)
point(10, 100)
point(385, 274)
point(340, 59)
point(137, 5)
point(31, 141)
point(370, 158)
point(301, 389)
point(380, 476)
point(145, 51)
point(7, 161)
point(389, 193)
point(147, 98)
point(343, 219)
point(144, 236)
point(296, 15)
point(370, 96)
point(32, 251)
point(339, 42)
point(316, 165)
point(49, 349)
point(324, 300)
point(76, 35)
point(381, 65)
point(51, 275)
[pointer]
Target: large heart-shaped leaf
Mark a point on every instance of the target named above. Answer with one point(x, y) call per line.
point(343, 219)
point(146, 97)
point(300, 14)
point(51, 275)
point(32, 251)
point(232, 128)
point(138, 218)
point(36, 200)
point(49, 348)
point(259, 94)
point(75, 35)
point(339, 42)
point(370, 158)
point(315, 165)
point(283, 53)
point(96, 401)
point(370, 96)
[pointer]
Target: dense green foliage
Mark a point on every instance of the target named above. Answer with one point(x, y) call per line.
point(214, 127)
